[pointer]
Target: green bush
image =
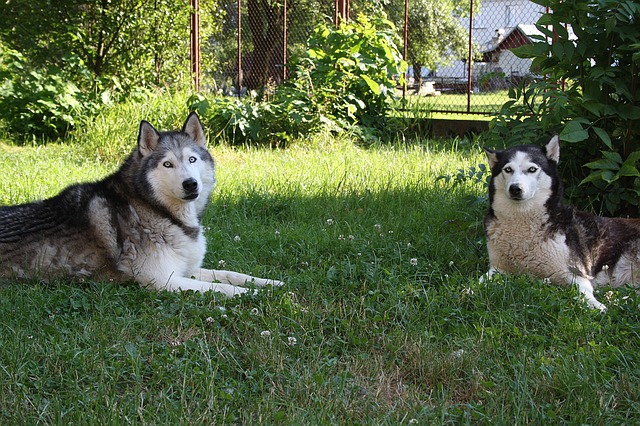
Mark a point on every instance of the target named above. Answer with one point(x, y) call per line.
point(590, 96)
point(39, 102)
point(345, 80)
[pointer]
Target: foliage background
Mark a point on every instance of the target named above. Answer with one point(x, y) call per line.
point(590, 96)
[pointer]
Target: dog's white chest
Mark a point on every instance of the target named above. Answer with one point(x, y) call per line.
point(519, 245)
point(159, 247)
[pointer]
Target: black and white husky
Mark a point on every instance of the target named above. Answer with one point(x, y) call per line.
point(141, 223)
point(530, 231)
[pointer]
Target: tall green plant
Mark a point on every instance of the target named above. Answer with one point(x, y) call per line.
point(345, 80)
point(40, 102)
point(590, 95)
point(352, 69)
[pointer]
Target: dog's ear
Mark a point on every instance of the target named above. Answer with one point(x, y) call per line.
point(193, 127)
point(552, 149)
point(492, 156)
point(147, 138)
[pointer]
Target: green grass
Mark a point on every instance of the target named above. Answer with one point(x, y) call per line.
point(483, 106)
point(390, 322)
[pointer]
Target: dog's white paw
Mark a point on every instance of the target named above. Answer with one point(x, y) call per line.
point(487, 277)
point(275, 283)
point(594, 304)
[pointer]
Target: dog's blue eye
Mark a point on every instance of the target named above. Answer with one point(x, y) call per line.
point(192, 159)
point(507, 170)
point(533, 169)
point(167, 164)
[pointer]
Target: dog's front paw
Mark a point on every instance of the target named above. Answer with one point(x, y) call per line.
point(486, 277)
point(594, 304)
point(275, 283)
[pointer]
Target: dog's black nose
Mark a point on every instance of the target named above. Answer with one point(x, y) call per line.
point(190, 185)
point(515, 191)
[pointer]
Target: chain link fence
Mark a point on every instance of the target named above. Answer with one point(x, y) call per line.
point(471, 73)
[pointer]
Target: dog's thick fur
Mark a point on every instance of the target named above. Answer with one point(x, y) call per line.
point(141, 223)
point(531, 231)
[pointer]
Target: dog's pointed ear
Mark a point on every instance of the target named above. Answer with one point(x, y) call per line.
point(492, 156)
point(147, 138)
point(193, 127)
point(552, 149)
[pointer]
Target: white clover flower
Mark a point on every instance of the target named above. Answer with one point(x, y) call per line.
point(413, 421)
point(254, 311)
point(409, 245)
point(277, 232)
point(330, 222)
point(210, 320)
point(351, 237)
point(292, 341)
point(414, 261)
point(451, 263)
point(341, 237)
point(377, 226)
point(458, 354)
point(236, 238)
point(221, 263)
point(265, 333)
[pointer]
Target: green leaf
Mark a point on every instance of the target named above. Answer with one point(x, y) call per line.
point(573, 132)
point(613, 156)
point(594, 176)
point(530, 50)
point(375, 87)
point(603, 164)
point(604, 136)
point(628, 170)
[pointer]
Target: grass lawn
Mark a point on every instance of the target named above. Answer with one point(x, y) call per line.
point(482, 105)
point(382, 320)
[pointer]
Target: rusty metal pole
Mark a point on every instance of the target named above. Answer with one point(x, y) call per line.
point(195, 43)
point(238, 89)
point(470, 59)
point(284, 40)
point(406, 47)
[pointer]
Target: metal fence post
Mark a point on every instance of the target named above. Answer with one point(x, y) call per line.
point(470, 58)
point(195, 43)
point(239, 82)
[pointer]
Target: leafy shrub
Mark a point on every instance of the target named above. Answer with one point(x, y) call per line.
point(590, 96)
point(352, 69)
point(346, 78)
point(39, 102)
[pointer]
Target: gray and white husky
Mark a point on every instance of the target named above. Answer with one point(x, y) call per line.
point(531, 231)
point(141, 223)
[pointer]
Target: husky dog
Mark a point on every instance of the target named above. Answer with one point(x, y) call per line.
point(141, 223)
point(529, 229)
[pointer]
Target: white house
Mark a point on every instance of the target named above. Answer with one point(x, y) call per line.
point(498, 26)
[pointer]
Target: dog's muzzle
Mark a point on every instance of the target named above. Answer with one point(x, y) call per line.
point(515, 192)
point(191, 190)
